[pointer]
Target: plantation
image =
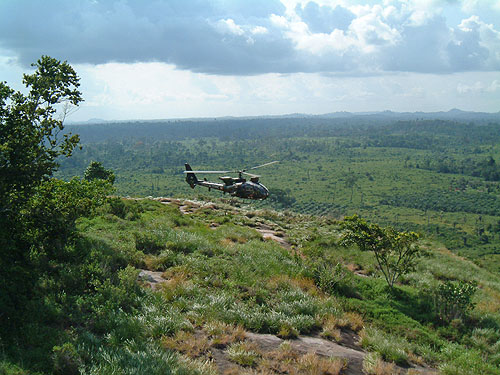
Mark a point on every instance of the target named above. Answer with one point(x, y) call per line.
point(328, 166)
point(328, 276)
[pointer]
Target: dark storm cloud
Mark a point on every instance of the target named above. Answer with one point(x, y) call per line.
point(180, 32)
point(239, 37)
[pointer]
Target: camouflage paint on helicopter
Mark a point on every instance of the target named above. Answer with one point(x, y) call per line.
point(236, 186)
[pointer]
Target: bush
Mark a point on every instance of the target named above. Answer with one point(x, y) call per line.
point(123, 208)
point(331, 278)
point(66, 360)
point(453, 299)
point(149, 242)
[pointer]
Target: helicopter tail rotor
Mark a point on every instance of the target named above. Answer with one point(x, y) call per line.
point(191, 178)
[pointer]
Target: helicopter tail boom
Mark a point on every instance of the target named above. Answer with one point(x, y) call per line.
point(191, 178)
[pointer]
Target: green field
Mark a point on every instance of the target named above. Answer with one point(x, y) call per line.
point(96, 279)
point(386, 170)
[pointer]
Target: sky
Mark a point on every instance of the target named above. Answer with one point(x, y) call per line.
point(156, 59)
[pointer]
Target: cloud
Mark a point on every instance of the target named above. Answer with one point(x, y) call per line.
point(156, 90)
point(239, 37)
point(325, 19)
point(228, 26)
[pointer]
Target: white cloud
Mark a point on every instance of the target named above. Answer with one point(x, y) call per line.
point(259, 30)
point(258, 37)
point(157, 90)
point(371, 31)
point(475, 87)
point(229, 26)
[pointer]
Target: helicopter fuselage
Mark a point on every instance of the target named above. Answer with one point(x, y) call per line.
point(237, 187)
point(240, 188)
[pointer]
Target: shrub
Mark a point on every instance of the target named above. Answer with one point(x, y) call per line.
point(396, 252)
point(66, 360)
point(149, 242)
point(124, 209)
point(453, 299)
point(331, 278)
point(287, 331)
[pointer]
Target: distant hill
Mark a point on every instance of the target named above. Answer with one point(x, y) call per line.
point(293, 125)
point(452, 114)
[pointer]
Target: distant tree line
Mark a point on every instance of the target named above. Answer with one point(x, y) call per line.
point(372, 130)
point(486, 168)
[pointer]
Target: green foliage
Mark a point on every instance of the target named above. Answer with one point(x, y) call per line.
point(84, 289)
point(149, 242)
point(36, 214)
point(486, 168)
point(96, 170)
point(453, 299)
point(396, 252)
point(242, 354)
point(459, 361)
point(331, 278)
point(281, 198)
point(123, 208)
point(66, 360)
point(29, 141)
point(131, 358)
point(7, 368)
point(391, 348)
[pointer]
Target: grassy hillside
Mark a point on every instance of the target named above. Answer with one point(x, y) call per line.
point(438, 177)
point(211, 285)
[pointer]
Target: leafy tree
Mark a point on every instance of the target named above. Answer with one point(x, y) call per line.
point(396, 252)
point(37, 213)
point(31, 135)
point(96, 170)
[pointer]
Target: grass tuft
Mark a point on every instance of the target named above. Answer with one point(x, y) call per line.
point(244, 354)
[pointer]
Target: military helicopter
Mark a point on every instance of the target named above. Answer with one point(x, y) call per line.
point(236, 186)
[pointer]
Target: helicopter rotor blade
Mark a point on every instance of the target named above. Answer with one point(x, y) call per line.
point(218, 172)
point(263, 165)
point(237, 171)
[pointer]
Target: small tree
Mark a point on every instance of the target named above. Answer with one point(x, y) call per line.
point(396, 252)
point(96, 170)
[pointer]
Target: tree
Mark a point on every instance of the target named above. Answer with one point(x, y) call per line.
point(396, 252)
point(37, 212)
point(350, 182)
point(96, 170)
point(31, 136)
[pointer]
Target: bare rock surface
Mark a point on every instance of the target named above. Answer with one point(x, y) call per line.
point(151, 278)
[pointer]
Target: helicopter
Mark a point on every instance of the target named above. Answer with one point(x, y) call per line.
point(236, 186)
